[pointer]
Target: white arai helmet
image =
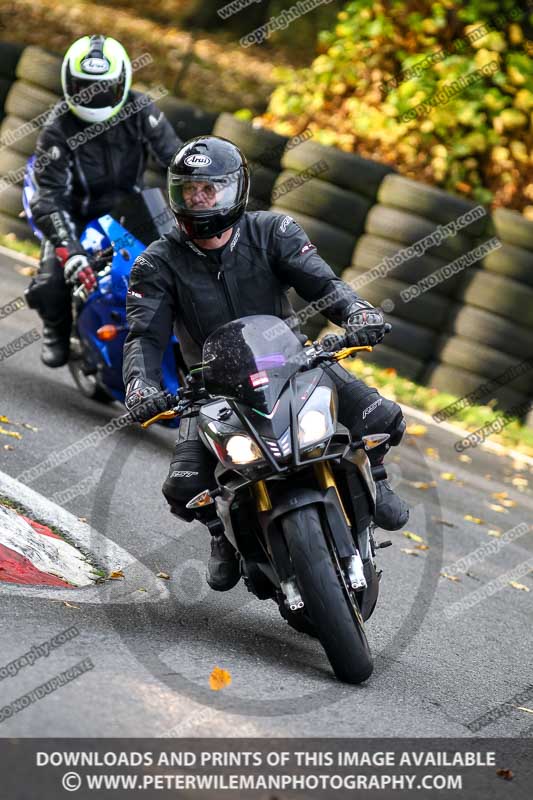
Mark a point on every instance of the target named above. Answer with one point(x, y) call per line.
point(96, 77)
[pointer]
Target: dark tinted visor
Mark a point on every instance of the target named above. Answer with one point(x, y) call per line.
point(96, 94)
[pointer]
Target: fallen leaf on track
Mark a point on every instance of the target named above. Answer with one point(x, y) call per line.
point(116, 575)
point(448, 476)
point(69, 605)
point(8, 447)
point(218, 679)
point(30, 427)
point(519, 482)
point(506, 774)
point(519, 586)
point(416, 429)
point(509, 503)
point(14, 434)
point(453, 578)
point(477, 520)
point(494, 532)
point(422, 484)
point(408, 551)
point(164, 575)
point(414, 536)
point(421, 547)
point(465, 459)
point(444, 522)
point(496, 507)
point(523, 708)
point(432, 453)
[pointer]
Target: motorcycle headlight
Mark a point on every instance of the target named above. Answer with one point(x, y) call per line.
point(242, 449)
point(313, 426)
point(318, 417)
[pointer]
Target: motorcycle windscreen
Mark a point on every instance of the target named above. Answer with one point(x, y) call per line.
point(251, 359)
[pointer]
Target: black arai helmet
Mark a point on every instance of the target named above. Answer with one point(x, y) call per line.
point(208, 186)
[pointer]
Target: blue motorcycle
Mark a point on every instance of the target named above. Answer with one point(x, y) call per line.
point(99, 323)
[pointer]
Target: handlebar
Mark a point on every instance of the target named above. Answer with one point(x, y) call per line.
point(186, 396)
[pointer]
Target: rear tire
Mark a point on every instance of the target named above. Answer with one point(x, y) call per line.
point(326, 598)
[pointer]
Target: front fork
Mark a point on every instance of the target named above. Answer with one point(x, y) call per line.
point(350, 560)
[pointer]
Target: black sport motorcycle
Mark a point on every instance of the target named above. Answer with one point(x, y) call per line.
point(294, 493)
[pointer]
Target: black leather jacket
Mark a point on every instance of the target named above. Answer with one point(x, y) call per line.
point(175, 283)
point(78, 182)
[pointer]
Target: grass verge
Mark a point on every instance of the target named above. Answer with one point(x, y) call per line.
point(28, 247)
point(514, 436)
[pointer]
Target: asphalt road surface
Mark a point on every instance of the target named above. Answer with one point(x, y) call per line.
point(434, 673)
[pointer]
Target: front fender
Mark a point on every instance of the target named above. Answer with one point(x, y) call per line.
point(299, 498)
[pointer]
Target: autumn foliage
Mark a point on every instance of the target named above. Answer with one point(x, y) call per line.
point(479, 142)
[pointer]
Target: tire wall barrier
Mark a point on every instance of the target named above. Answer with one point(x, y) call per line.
point(449, 275)
point(10, 202)
point(459, 294)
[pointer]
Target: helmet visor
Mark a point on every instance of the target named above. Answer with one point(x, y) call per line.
point(191, 193)
point(96, 93)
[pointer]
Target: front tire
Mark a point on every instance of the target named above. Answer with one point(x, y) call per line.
point(88, 384)
point(329, 602)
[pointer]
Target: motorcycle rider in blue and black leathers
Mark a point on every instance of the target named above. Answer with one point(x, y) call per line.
point(87, 158)
point(219, 264)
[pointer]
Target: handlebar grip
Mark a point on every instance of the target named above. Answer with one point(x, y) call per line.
point(332, 342)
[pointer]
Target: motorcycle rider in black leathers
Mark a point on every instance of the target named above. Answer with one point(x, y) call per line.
point(86, 159)
point(221, 263)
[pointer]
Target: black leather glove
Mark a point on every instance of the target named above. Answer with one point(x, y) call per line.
point(365, 326)
point(145, 400)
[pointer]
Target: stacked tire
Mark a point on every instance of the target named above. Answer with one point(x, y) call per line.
point(263, 149)
point(491, 335)
point(36, 89)
point(188, 121)
point(10, 205)
point(329, 193)
point(9, 57)
point(405, 213)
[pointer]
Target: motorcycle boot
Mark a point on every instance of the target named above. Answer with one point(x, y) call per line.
point(392, 513)
point(223, 567)
point(56, 342)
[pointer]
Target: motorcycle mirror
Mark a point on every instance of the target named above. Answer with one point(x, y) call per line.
point(374, 440)
point(199, 500)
